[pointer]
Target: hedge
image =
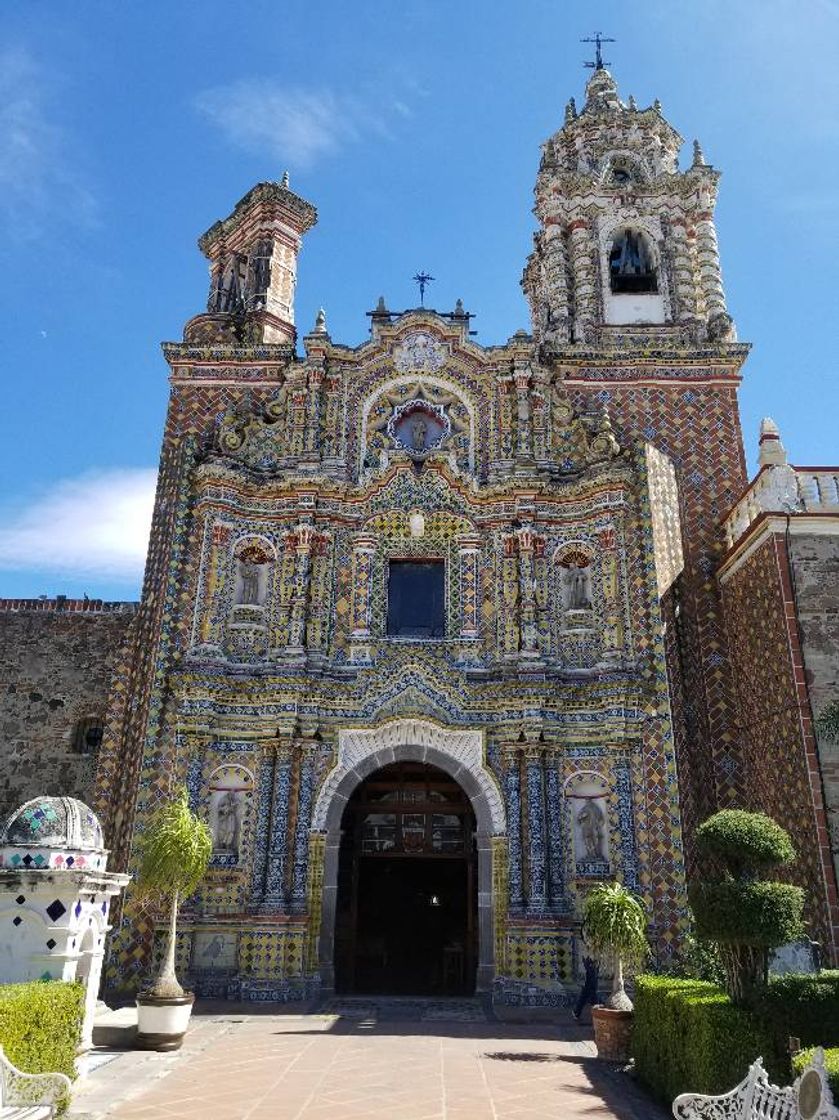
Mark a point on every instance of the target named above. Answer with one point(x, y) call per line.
point(803, 1005)
point(831, 1065)
point(690, 1038)
point(41, 1025)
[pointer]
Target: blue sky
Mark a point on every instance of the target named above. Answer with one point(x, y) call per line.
point(126, 129)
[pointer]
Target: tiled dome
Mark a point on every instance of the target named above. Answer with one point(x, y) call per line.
point(54, 822)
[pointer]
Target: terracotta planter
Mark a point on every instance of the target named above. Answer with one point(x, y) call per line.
point(162, 1023)
point(612, 1033)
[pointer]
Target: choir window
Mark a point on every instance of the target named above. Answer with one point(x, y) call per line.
point(416, 599)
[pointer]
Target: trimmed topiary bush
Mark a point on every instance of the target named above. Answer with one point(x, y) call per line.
point(41, 1025)
point(745, 915)
point(831, 1065)
point(689, 1037)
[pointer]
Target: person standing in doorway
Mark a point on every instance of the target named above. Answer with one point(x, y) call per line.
point(588, 992)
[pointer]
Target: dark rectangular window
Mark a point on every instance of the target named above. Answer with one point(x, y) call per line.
point(416, 599)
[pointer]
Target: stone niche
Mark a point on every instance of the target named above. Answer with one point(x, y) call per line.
point(55, 893)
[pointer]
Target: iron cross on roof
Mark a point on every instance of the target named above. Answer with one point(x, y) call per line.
point(422, 279)
point(598, 39)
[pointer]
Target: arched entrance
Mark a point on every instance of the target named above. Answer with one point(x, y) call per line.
point(406, 912)
point(458, 753)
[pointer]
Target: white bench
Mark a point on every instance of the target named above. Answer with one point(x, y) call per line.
point(29, 1096)
point(756, 1098)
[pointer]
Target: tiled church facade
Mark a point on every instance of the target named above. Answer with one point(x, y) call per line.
point(592, 690)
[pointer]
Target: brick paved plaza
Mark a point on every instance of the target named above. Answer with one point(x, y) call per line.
point(363, 1061)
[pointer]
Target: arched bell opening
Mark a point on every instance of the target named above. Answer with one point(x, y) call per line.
point(406, 918)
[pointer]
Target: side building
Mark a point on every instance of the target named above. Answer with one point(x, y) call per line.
point(57, 658)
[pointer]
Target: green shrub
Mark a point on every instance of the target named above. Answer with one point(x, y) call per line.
point(699, 959)
point(690, 1038)
point(831, 1065)
point(746, 843)
point(768, 913)
point(745, 915)
point(41, 1025)
point(804, 1005)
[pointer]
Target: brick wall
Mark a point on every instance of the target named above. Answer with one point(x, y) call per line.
point(56, 658)
point(774, 722)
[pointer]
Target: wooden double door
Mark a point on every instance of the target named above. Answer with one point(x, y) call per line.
point(406, 920)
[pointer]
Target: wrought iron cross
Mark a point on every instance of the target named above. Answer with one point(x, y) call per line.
point(598, 39)
point(423, 279)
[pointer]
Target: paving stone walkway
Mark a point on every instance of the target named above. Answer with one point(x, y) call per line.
point(363, 1060)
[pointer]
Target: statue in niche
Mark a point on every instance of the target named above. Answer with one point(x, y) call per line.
point(227, 824)
point(419, 432)
point(591, 821)
point(577, 580)
point(249, 574)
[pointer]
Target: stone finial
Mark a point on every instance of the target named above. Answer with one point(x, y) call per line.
point(570, 110)
point(320, 322)
point(772, 452)
point(285, 180)
point(631, 102)
point(459, 312)
point(698, 155)
point(657, 105)
point(602, 92)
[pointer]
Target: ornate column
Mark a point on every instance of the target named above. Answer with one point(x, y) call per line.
point(537, 895)
point(708, 261)
point(612, 612)
point(262, 831)
point(505, 418)
point(468, 548)
point(539, 398)
point(558, 328)
point(527, 599)
point(364, 547)
point(332, 446)
point(304, 536)
point(318, 596)
point(313, 432)
point(511, 760)
point(298, 399)
point(305, 787)
point(508, 623)
point(274, 896)
point(208, 626)
point(524, 434)
point(683, 272)
point(555, 846)
point(585, 276)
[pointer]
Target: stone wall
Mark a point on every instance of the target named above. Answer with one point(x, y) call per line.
point(56, 660)
point(815, 566)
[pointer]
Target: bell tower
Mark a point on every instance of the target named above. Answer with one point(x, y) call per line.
point(625, 237)
point(629, 312)
point(253, 265)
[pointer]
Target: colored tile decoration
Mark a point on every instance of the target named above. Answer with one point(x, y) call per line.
point(315, 471)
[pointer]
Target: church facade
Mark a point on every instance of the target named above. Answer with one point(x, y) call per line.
point(431, 631)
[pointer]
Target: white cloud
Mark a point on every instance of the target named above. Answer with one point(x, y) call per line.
point(36, 174)
point(296, 127)
point(95, 525)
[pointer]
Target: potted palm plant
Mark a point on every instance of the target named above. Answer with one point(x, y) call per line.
point(615, 929)
point(174, 854)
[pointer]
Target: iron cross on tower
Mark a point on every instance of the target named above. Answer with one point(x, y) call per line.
point(423, 279)
point(598, 39)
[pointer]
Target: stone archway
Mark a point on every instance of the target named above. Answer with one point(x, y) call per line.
point(460, 754)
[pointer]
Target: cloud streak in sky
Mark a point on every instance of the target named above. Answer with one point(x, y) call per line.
point(96, 525)
point(295, 126)
point(36, 175)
